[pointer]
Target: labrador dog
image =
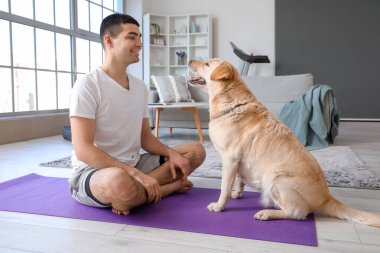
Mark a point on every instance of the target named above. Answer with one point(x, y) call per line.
point(259, 150)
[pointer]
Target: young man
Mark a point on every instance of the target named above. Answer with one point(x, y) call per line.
point(109, 122)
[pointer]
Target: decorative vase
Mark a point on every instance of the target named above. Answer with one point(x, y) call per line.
point(193, 27)
point(181, 60)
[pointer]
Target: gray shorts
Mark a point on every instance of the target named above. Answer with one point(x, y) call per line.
point(80, 186)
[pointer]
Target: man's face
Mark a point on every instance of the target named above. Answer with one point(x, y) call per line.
point(126, 45)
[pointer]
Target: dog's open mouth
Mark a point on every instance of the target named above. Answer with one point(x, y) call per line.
point(197, 80)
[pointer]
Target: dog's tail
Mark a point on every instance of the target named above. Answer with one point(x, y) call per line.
point(335, 208)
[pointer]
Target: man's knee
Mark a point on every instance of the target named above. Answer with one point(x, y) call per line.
point(128, 191)
point(123, 190)
point(198, 154)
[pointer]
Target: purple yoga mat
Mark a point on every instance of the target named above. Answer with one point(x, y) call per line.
point(185, 212)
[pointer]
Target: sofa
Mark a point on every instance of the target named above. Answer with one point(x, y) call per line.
point(273, 91)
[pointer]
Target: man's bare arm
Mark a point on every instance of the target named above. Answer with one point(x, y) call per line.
point(152, 145)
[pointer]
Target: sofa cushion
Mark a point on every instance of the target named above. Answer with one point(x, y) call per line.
point(279, 89)
point(274, 108)
point(198, 92)
point(164, 88)
point(171, 89)
point(183, 90)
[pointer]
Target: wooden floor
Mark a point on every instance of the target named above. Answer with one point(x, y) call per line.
point(34, 233)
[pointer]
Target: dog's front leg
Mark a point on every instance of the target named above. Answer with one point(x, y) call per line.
point(239, 188)
point(229, 168)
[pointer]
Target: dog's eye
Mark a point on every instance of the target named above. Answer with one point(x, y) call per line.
point(207, 64)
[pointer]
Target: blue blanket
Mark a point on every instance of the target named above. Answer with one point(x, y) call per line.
point(305, 118)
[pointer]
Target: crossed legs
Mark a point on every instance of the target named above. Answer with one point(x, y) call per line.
point(116, 187)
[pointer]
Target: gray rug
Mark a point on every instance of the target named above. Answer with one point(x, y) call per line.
point(342, 167)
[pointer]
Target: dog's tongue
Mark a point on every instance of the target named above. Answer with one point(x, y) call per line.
point(197, 80)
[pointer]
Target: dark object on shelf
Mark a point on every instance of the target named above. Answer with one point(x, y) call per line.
point(248, 59)
point(66, 132)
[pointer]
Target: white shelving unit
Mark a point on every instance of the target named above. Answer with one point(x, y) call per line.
point(164, 35)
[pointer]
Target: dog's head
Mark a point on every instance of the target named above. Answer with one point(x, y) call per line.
point(213, 70)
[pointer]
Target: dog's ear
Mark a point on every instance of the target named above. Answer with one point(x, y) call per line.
point(224, 71)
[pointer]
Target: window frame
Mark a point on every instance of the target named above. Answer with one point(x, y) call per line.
point(74, 32)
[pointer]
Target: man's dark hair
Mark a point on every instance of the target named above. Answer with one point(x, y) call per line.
point(111, 24)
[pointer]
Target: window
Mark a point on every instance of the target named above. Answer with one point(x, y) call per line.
point(45, 46)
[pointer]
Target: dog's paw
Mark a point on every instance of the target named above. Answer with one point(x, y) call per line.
point(262, 215)
point(236, 195)
point(215, 207)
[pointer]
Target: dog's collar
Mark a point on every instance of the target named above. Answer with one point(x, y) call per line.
point(226, 111)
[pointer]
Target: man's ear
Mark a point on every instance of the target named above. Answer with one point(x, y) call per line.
point(224, 71)
point(107, 40)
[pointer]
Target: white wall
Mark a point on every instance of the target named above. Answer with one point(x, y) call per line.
point(247, 23)
point(135, 9)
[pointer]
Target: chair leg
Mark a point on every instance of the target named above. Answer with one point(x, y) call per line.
point(194, 110)
point(198, 124)
point(158, 111)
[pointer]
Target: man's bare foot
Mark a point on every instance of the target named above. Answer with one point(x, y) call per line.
point(119, 212)
point(185, 186)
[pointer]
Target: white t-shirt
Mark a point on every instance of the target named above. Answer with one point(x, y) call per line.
point(118, 113)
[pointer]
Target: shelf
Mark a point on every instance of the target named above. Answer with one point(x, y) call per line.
point(158, 34)
point(164, 35)
point(202, 33)
point(178, 34)
point(178, 66)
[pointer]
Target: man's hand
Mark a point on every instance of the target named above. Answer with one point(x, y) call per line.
point(151, 186)
point(152, 145)
point(176, 160)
